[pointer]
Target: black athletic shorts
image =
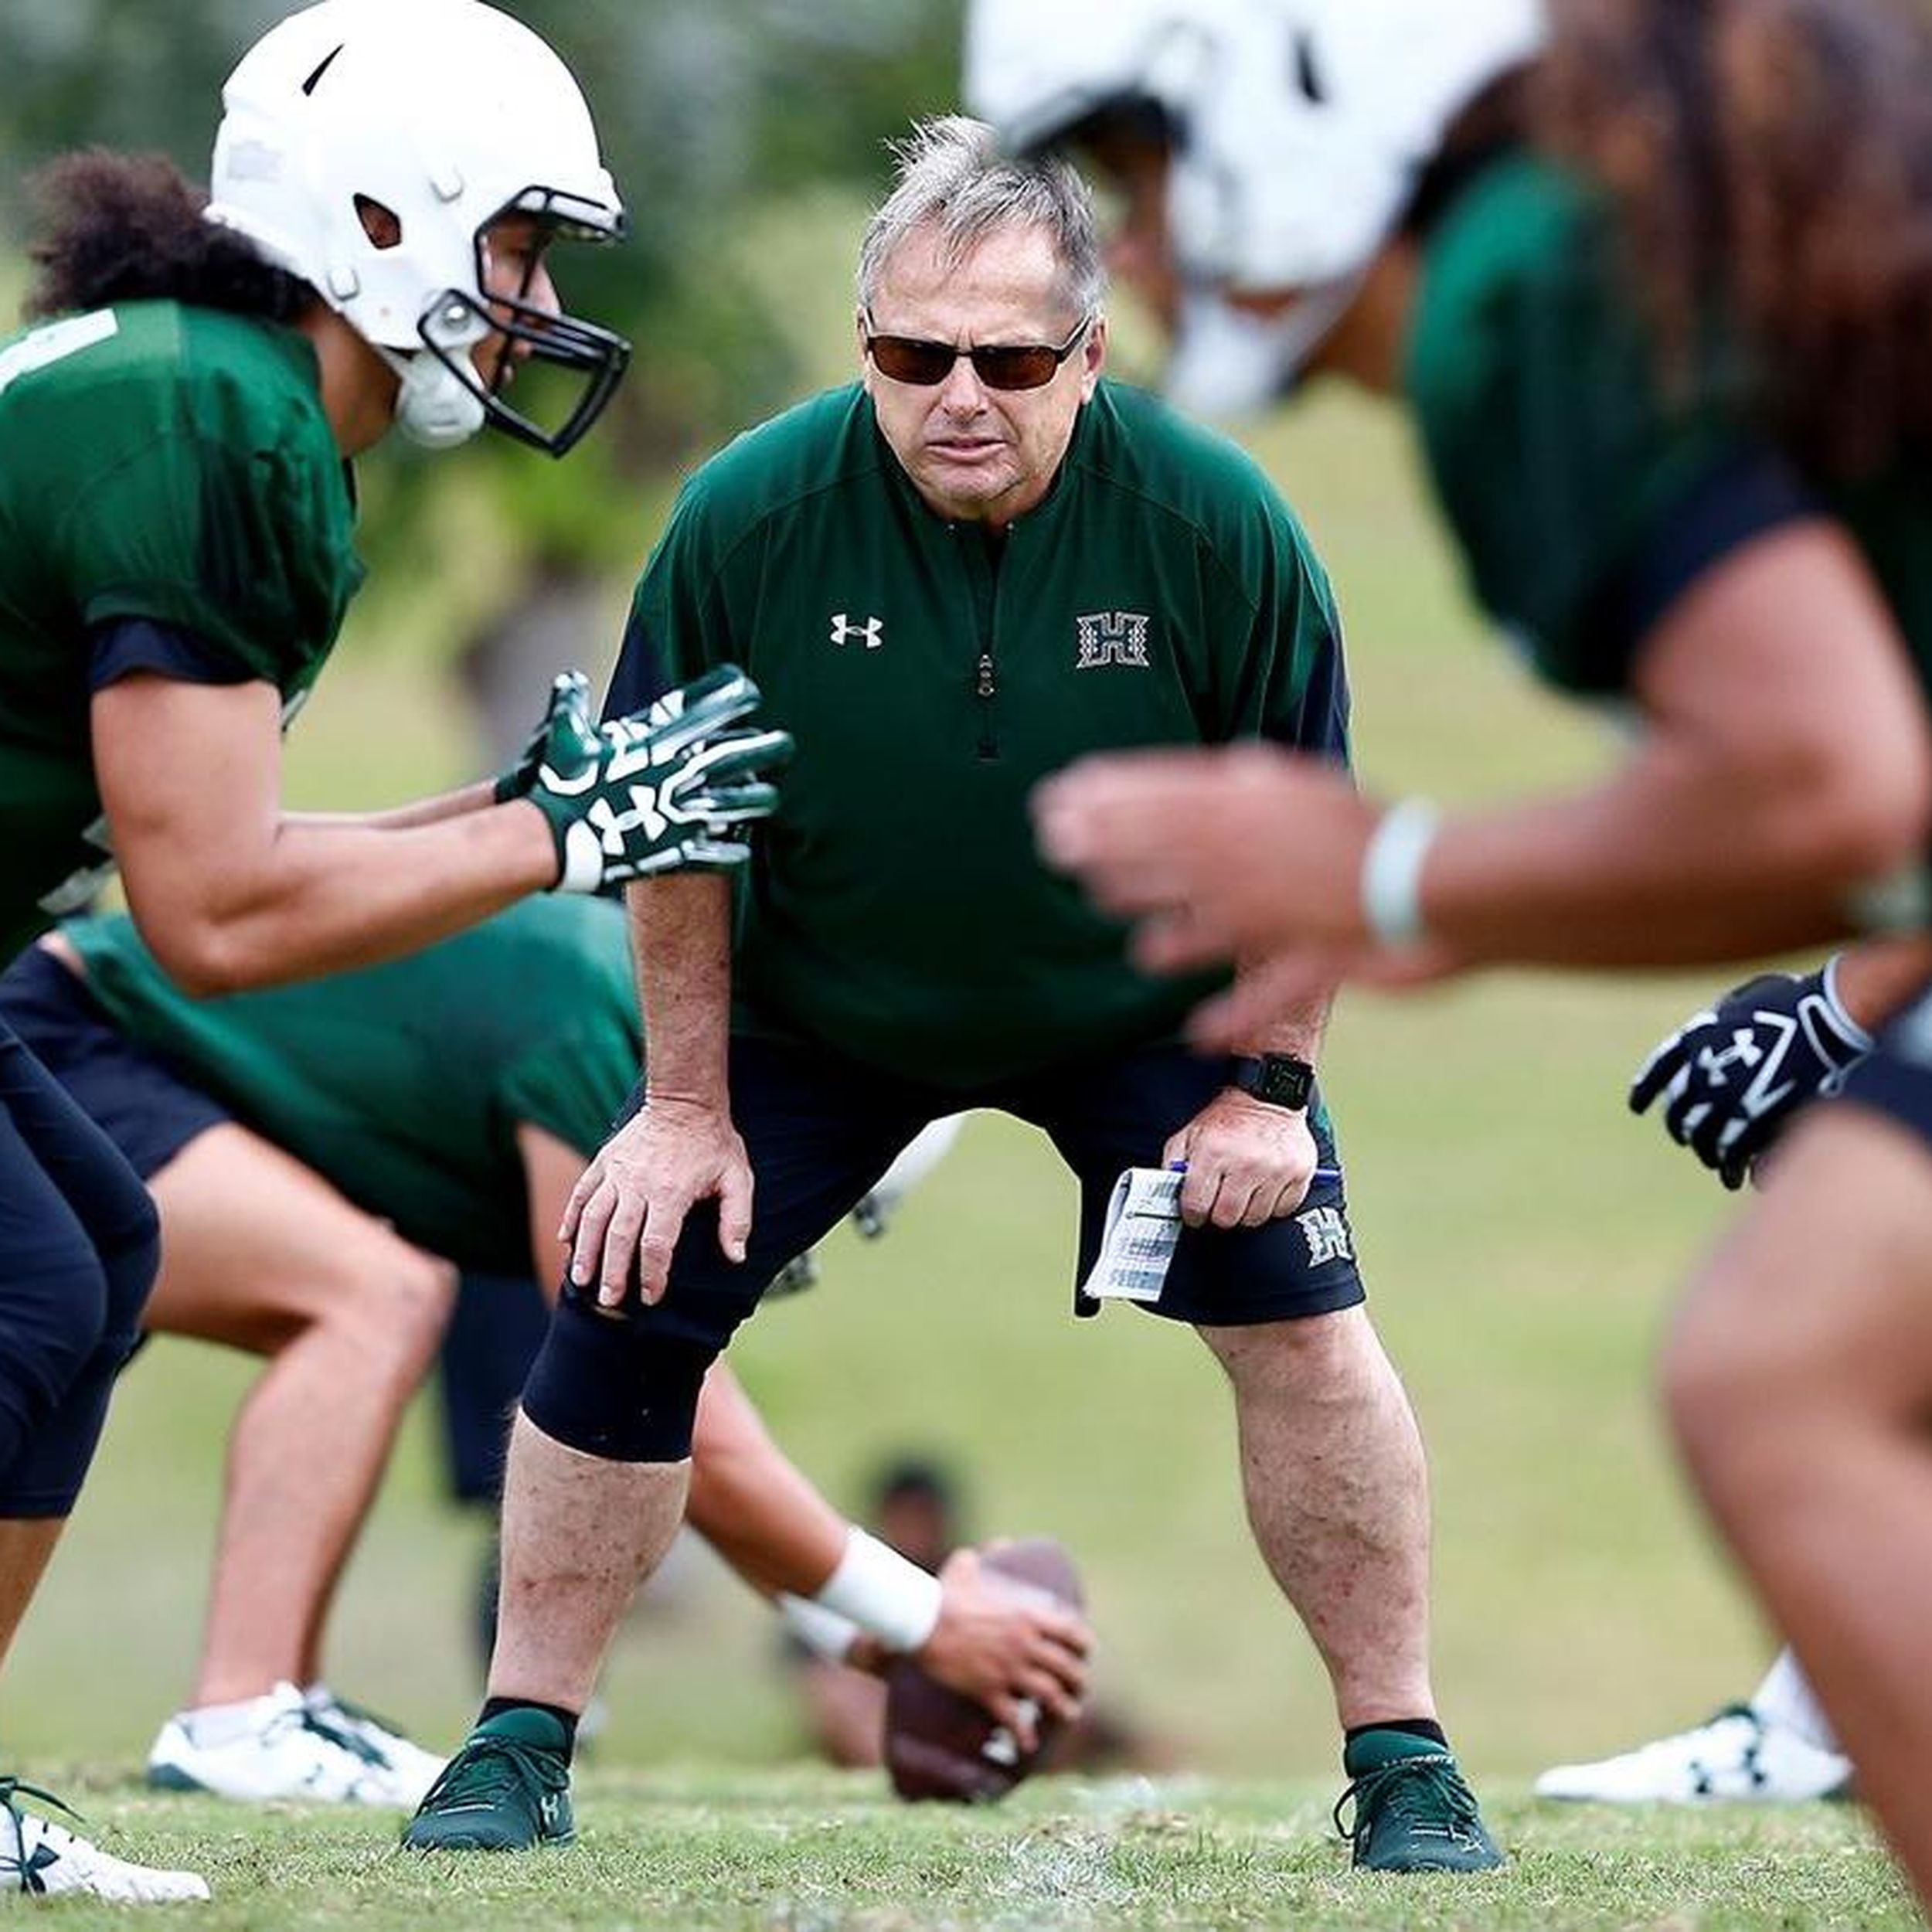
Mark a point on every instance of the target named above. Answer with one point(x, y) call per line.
point(146, 1108)
point(820, 1130)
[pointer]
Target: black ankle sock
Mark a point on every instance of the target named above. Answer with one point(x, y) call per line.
point(1411, 1726)
point(496, 1706)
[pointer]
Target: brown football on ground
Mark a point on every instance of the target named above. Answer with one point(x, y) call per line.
point(940, 1744)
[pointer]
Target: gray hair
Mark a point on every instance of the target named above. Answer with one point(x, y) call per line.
point(954, 177)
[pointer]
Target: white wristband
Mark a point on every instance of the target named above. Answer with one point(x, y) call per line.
point(822, 1631)
point(1392, 872)
point(1856, 1035)
point(885, 1595)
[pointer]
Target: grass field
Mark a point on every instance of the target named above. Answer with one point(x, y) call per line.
point(690, 1850)
point(1522, 1235)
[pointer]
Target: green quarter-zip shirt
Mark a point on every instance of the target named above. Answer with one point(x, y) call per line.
point(1160, 594)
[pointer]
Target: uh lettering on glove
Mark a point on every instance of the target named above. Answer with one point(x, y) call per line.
point(1732, 1075)
point(665, 789)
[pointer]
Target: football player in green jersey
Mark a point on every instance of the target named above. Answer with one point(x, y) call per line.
point(175, 561)
point(1654, 281)
point(320, 1154)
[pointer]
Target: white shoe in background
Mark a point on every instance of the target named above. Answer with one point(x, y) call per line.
point(412, 1770)
point(1737, 1757)
point(266, 1748)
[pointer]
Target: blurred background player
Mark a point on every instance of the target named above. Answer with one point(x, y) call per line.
point(321, 1155)
point(1106, 574)
point(915, 1506)
point(177, 560)
point(1655, 281)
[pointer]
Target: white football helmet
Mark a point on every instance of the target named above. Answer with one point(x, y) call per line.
point(1298, 128)
point(449, 114)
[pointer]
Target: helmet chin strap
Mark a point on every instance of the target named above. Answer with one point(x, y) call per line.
point(1228, 362)
point(435, 407)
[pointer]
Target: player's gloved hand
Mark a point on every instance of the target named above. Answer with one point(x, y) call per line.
point(663, 790)
point(1732, 1076)
point(569, 708)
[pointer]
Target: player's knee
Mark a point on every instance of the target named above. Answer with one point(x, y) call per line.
point(54, 1325)
point(417, 1297)
point(615, 1389)
point(129, 1265)
point(1739, 1416)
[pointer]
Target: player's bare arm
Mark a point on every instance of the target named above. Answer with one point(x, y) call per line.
point(680, 1148)
point(1700, 846)
point(232, 893)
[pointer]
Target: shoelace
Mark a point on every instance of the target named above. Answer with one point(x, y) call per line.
point(358, 1717)
point(325, 1724)
point(486, 1768)
point(1421, 1790)
point(11, 1789)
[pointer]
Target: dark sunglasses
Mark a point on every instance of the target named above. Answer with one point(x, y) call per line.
point(998, 365)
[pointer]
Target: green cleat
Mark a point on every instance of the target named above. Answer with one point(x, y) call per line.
point(1412, 1811)
point(507, 1789)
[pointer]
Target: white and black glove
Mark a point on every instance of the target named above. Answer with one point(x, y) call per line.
point(568, 709)
point(664, 790)
point(1732, 1076)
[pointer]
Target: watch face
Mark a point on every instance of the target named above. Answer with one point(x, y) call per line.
point(1281, 1079)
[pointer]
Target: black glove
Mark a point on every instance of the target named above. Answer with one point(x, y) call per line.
point(661, 791)
point(1732, 1076)
point(569, 708)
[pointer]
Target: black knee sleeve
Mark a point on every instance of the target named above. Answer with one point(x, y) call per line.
point(615, 1388)
point(130, 1265)
point(45, 1453)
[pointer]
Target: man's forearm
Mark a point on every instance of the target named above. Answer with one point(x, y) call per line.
point(1298, 1029)
point(681, 941)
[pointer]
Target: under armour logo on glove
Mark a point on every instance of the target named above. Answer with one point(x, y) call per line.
point(662, 790)
point(1744, 1051)
point(1790, 1035)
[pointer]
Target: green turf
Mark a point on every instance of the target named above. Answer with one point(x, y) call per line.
point(818, 1851)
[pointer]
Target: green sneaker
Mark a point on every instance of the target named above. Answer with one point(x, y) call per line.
point(508, 1789)
point(1412, 1811)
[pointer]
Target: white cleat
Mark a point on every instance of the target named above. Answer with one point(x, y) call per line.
point(267, 1749)
point(40, 1859)
point(412, 1770)
point(1736, 1758)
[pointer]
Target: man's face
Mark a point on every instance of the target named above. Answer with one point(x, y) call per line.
point(977, 453)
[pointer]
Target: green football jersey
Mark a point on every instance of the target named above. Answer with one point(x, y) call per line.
point(404, 1084)
point(1161, 594)
point(1571, 473)
point(156, 462)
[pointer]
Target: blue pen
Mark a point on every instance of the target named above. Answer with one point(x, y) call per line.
point(1320, 1174)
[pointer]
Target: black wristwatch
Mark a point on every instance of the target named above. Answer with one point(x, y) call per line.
point(1279, 1079)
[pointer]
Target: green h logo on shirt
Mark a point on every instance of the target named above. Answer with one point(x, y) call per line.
point(1111, 637)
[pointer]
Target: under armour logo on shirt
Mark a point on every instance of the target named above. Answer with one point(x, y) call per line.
point(872, 632)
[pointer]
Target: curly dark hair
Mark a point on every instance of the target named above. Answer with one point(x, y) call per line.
point(1772, 162)
point(123, 228)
